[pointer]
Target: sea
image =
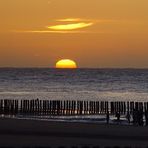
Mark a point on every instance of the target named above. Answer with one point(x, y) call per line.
point(74, 84)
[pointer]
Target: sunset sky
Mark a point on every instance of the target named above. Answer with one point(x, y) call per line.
point(94, 33)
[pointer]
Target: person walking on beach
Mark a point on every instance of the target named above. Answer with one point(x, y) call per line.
point(135, 116)
point(128, 117)
point(140, 117)
point(118, 116)
point(146, 117)
point(107, 117)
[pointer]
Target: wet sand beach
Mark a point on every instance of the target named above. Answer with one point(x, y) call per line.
point(34, 133)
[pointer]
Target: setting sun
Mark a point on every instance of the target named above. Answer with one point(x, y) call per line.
point(66, 63)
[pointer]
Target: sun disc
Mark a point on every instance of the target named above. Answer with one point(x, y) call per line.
point(66, 63)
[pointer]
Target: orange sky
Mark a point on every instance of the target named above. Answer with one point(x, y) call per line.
point(94, 33)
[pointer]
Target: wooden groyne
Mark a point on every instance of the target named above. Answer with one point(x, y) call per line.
point(69, 107)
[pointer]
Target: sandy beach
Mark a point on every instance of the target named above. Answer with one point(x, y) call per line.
point(34, 133)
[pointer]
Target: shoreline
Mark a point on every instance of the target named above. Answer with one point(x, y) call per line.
point(100, 120)
point(22, 132)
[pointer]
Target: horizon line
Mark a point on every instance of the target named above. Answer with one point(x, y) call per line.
point(16, 67)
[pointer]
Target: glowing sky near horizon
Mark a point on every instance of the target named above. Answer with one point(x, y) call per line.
point(94, 33)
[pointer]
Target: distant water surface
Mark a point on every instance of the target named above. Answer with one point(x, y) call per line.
point(74, 84)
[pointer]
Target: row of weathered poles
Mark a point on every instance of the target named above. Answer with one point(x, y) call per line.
point(68, 107)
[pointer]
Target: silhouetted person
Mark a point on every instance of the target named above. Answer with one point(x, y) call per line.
point(118, 116)
point(107, 117)
point(142, 122)
point(140, 117)
point(135, 117)
point(128, 117)
point(146, 117)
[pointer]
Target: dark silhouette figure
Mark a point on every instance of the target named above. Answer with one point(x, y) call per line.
point(118, 116)
point(138, 117)
point(146, 117)
point(128, 117)
point(107, 117)
point(135, 117)
point(141, 117)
